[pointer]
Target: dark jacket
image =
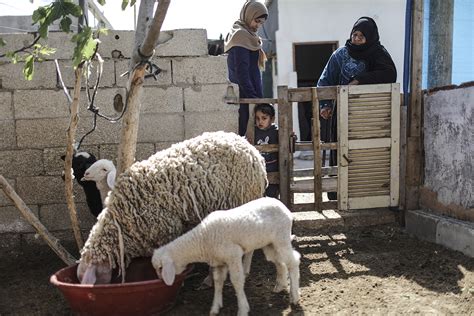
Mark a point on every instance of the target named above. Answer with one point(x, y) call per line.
point(264, 137)
point(243, 70)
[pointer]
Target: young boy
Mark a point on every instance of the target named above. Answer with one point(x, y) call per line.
point(266, 132)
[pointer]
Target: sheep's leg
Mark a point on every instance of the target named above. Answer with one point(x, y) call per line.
point(281, 269)
point(220, 274)
point(247, 261)
point(237, 278)
point(294, 269)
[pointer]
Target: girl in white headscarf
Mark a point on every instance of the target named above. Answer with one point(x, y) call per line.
point(246, 57)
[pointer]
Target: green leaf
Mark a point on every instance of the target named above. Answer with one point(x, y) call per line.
point(132, 3)
point(124, 4)
point(66, 24)
point(101, 2)
point(29, 68)
point(39, 14)
point(2, 42)
point(85, 46)
point(72, 8)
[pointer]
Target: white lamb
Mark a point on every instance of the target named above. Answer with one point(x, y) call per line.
point(103, 173)
point(158, 199)
point(221, 240)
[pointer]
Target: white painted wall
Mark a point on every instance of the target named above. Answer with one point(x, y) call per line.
point(332, 20)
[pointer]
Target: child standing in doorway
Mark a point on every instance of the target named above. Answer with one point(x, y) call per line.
point(266, 132)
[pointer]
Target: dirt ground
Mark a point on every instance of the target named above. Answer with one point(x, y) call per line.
point(372, 270)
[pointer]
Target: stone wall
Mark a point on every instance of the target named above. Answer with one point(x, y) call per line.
point(449, 148)
point(186, 100)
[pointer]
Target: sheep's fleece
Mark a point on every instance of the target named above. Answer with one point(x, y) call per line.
point(155, 200)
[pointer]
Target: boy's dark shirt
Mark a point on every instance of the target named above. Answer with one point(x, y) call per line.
point(268, 136)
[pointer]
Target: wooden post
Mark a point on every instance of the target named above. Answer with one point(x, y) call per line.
point(318, 194)
point(284, 116)
point(251, 125)
point(34, 221)
point(414, 143)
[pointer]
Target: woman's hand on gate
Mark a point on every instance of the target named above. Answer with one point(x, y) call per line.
point(326, 112)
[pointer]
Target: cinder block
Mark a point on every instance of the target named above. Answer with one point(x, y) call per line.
point(162, 100)
point(12, 221)
point(54, 165)
point(6, 106)
point(200, 70)
point(41, 133)
point(7, 134)
point(63, 44)
point(161, 127)
point(163, 145)
point(4, 201)
point(56, 216)
point(21, 163)
point(45, 190)
point(104, 100)
point(184, 42)
point(105, 133)
point(11, 76)
point(457, 235)
point(31, 104)
point(107, 79)
point(10, 242)
point(143, 151)
point(207, 98)
point(197, 123)
point(117, 43)
point(163, 78)
point(422, 225)
point(15, 41)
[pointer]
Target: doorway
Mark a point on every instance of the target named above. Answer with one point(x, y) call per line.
point(310, 58)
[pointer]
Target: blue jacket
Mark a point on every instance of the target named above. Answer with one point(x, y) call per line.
point(243, 70)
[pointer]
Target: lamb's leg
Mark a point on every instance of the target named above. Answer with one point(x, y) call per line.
point(294, 269)
point(237, 278)
point(281, 269)
point(220, 274)
point(247, 261)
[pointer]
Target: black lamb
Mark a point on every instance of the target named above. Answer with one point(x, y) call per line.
point(81, 161)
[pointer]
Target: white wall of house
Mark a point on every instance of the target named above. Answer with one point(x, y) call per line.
point(323, 20)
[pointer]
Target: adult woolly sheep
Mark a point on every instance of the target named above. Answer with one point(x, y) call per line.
point(156, 200)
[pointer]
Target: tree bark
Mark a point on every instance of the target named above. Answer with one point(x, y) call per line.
point(71, 133)
point(129, 131)
point(34, 221)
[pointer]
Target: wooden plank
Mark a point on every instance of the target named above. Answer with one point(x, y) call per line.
point(403, 153)
point(343, 148)
point(267, 148)
point(285, 126)
point(309, 207)
point(309, 146)
point(318, 197)
point(304, 94)
point(369, 202)
point(307, 185)
point(395, 146)
point(309, 172)
point(369, 88)
point(251, 125)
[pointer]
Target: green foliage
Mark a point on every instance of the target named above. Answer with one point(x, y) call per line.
point(2, 42)
point(59, 9)
point(126, 2)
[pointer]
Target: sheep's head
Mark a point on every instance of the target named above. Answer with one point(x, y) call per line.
point(94, 273)
point(81, 161)
point(100, 170)
point(165, 266)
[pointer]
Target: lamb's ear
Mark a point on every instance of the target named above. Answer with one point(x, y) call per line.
point(111, 179)
point(168, 272)
point(89, 275)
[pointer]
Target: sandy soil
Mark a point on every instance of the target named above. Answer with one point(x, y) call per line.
point(373, 270)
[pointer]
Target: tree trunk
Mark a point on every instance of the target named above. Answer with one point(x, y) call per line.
point(129, 131)
point(71, 133)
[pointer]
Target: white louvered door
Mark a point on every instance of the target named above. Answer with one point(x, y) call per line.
point(368, 146)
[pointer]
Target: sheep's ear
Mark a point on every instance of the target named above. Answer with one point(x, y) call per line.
point(168, 272)
point(89, 275)
point(111, 179)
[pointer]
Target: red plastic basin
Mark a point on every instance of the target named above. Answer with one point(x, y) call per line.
point(141, 294)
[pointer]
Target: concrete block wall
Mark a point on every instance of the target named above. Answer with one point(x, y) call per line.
point(185, 101)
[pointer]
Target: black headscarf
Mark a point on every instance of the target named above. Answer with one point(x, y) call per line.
point(372, 47)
